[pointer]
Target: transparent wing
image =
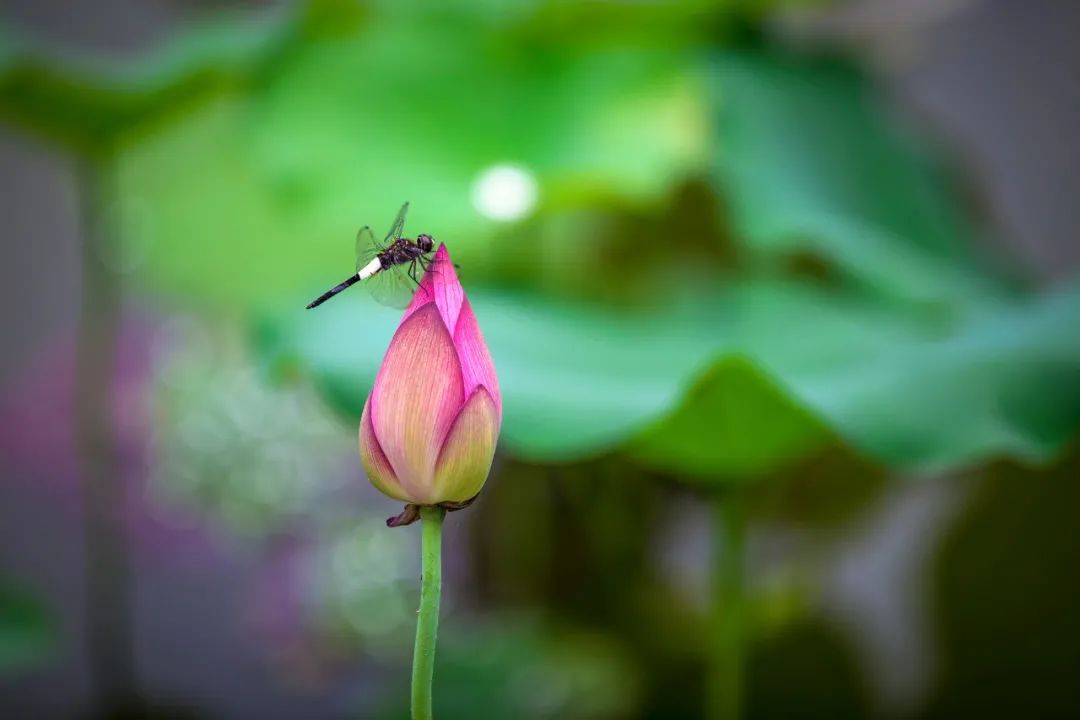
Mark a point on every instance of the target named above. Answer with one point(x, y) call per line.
point(399, 225)
point(366, 247)
point(392, 287)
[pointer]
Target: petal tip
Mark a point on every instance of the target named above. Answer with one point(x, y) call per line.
point(477, 366)
point(441, 287)
point(442, 254)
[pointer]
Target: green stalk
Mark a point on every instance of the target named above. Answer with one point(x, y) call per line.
point(109, 632)
point(427, 623)
point(725, 676)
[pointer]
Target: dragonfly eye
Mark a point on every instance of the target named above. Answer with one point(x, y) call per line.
point(425, 243)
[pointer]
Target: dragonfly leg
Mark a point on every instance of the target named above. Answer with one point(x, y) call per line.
point(412, 275)
point(425, 264)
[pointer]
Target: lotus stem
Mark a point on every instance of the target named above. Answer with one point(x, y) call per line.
point(727, 646)
point(109, 633)
point(427, 622)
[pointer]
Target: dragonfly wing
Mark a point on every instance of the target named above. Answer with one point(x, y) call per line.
point(398, 227)
point(366, 247)
point(392, 287)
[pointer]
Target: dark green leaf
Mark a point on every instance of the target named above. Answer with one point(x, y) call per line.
point(734, 422)
point(810, 160)
point(26, 632)
point(91, 103)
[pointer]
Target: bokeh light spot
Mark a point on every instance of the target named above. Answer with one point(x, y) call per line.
point(504, 192)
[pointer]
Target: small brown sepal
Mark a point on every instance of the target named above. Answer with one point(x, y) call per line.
point(408, 516)
point(411, 513)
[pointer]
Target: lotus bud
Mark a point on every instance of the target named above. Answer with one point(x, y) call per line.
point(430, 424)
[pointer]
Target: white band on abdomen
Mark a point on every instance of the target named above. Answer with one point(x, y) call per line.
point(370, 269)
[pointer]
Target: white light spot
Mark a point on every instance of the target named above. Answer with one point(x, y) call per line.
point(504, 192)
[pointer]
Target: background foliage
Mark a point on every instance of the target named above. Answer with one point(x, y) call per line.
point(745, 275)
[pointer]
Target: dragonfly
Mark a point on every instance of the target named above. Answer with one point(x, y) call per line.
point(388, 268)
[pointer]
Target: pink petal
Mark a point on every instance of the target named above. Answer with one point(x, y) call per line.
point(466, 455)
point(417, 394)
point(440, 286)
point(377, 467)
point(477, 369)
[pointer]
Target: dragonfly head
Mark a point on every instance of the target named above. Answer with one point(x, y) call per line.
point(425, 242)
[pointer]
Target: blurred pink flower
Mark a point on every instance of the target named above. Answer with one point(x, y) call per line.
point(429, 427)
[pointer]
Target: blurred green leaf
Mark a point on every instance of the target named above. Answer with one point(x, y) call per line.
point(90, 103)
point(26, 632)
point(734, 422)
point(809, 159)
point(557, 403)
point(254, 200)
point(801, 365)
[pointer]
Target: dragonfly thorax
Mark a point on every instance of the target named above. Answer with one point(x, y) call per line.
point(403, 251)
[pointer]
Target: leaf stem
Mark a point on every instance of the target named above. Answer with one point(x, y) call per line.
point(427, 622)
point(109, 632)
point(725, 675)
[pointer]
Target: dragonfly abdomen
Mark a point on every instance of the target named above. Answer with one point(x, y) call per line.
point(351, 280)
